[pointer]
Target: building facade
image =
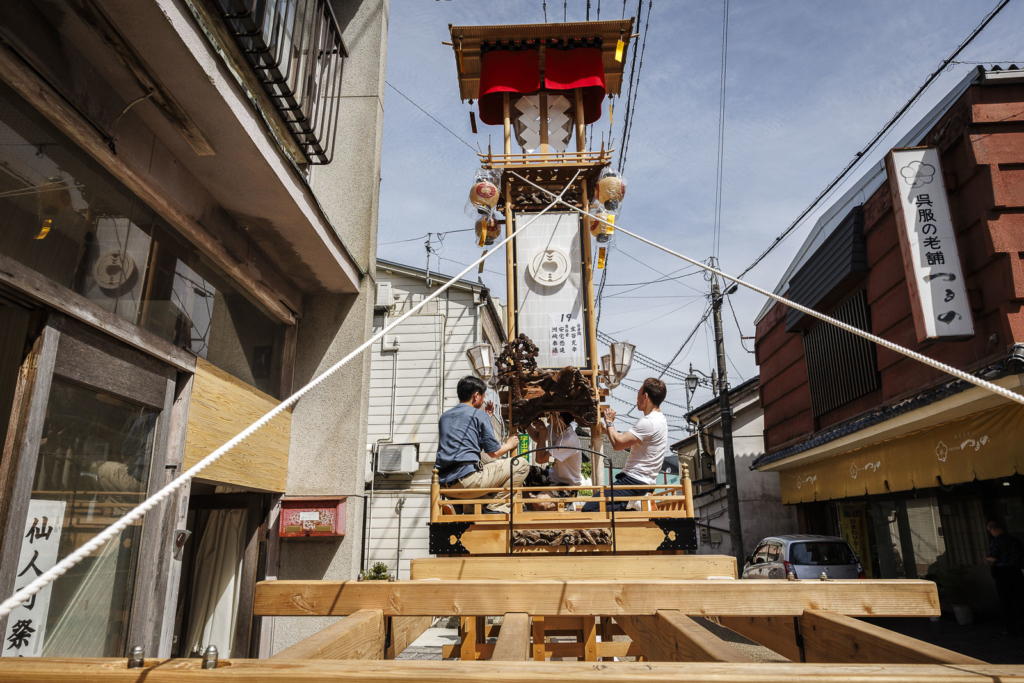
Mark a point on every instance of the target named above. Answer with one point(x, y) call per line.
point(900, 458)
point(189, 199)
point(413, 378)
point(761, 513)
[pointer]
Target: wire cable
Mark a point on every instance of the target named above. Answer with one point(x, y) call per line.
point(632, 72)
point(738, 328)
point(139, 511)
point(717, 234)
point(878, 136)
point(456, 135)
point(639, 70)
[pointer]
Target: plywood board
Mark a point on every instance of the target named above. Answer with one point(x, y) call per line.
point(879, 597)
point(221, 407)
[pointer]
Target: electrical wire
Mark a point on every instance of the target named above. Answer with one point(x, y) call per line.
point(878, 136)
point(632, 72)
point(738, 328)
point(456, 135)
point(655, 319)
point(717, 233)
point(639, 70)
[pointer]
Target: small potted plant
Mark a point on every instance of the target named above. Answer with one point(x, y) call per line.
point(378, 572)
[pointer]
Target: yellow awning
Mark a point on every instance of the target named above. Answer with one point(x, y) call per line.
point(985, 445)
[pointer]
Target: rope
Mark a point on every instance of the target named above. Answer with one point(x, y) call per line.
point(948, 369)
point(114, 529)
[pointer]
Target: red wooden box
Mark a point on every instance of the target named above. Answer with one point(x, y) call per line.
point(312, 516)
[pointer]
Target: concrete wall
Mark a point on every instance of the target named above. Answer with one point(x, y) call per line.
point(329, 425)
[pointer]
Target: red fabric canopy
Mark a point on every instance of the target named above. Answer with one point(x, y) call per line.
point(580, 67)
point(501, 71)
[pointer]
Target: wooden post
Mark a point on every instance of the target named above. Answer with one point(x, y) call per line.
point(507, 107)
point(590, 639)
point(538, 639)
point(467, 636)
point(544, 146)
point(596, 437)
point(435, 497)
point(510, 284)
point(688, 490)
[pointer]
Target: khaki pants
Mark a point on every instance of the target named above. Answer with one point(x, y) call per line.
point(491, 476)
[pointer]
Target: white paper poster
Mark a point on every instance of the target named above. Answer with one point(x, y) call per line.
point(565, 340)
point(930, 253)
point(26, 625)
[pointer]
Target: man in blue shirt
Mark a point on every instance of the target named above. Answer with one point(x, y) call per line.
point(465, 432)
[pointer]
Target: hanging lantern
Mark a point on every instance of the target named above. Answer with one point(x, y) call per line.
point(484, 196)
point(600, 231)
point(487, 230)
point(611, 189)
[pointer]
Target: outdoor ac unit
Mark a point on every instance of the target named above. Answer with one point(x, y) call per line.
point(397, 458)
point(385, 296)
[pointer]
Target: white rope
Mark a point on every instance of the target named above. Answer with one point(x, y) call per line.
point(949, 369)
point(97, 541)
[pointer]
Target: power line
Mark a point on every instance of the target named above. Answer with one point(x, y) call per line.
point(878, 136)
point(639, 70)
point(430, 115)
point(717, 234)
point(655, 319)
point(738, 328)
point(632, 72)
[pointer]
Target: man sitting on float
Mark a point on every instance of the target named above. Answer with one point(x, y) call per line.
point(464, 433)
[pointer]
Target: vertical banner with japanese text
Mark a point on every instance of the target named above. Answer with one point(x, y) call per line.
point(930, 256)
point(853, 526)
point(26, 625)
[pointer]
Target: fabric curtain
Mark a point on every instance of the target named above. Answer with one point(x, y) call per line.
point(215, 586)
point(568, 68)
point(506, 71)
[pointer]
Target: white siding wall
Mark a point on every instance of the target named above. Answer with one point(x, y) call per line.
point(430, 361)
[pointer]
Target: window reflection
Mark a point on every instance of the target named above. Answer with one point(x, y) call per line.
point(64, 216)
point(94, 456)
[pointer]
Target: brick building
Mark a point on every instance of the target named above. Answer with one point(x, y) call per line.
point(904, 459)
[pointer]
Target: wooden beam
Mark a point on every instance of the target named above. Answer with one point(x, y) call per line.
point(359, 636)
point(612, 567)
point(670, 636)
point(831, 637)
point(36, 670)
point(775, 633)
point(514, 640)
point(404, 632)
point(878, 597)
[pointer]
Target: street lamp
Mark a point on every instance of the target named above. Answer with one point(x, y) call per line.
point(621, 358)
point(607, 373)
point(481, 357)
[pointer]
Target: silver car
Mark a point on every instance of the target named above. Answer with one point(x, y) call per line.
point(804, 556)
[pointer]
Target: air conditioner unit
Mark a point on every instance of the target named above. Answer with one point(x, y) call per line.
point(385, 296)
point(397, 458)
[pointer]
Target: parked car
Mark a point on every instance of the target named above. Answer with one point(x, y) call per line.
point(805, 556)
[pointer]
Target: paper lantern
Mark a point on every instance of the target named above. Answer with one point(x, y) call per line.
point(600, 231)
point(484, 196)
point(487, 230)
point(611, 189)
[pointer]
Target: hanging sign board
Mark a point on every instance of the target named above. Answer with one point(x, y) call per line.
point(930, 257)
point(26, 625)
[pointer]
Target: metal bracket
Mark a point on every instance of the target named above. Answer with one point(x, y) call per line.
point(680, 533)
point(441, 534)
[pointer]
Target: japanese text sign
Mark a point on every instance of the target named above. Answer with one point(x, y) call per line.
point(566, 339)
point(930, 257)
point(26, 625)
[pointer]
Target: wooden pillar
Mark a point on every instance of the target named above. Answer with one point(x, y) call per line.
point(544, 146)
point(596, 436)
point(589, 639)
point(509, 253)
point(507, 108)
point(435, 497)
point(538, 639)
point(688, 490)
point(468, 639)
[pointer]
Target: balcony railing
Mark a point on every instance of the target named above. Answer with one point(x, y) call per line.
point(296, 50)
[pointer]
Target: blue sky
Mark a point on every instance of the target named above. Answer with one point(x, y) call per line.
point(809, 83)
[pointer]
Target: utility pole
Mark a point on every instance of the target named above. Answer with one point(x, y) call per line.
point(731, 490)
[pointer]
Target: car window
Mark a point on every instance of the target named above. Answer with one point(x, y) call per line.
point(821, 553)
point(774, 551)
point(761, 553)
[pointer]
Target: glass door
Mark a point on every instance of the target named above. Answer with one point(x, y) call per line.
point(92, 447)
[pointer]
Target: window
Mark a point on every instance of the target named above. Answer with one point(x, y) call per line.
point(820, 553)
point(840, 366)
point(66, 217)
point(774, 552)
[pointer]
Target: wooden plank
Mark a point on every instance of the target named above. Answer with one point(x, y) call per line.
point(538, 639)
point(404, 632)
point(590, 639)
point(670, 636)
point(574, 567)
point(359, 636)
point(831, 637)
point(514, 640)
point(468, 651)
point(775, 633)
point(34, 670)
point(222, 406)
point(877, 597)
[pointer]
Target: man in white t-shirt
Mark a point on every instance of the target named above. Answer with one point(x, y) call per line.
point(647, 442)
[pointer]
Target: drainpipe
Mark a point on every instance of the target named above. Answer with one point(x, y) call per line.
point(398, 561)
point(376, 446)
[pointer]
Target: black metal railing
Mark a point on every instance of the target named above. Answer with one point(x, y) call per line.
point(297, 51)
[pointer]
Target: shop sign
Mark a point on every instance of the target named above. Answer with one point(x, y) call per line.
point(854, 529)
point(930, 258)
point(26, 625)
